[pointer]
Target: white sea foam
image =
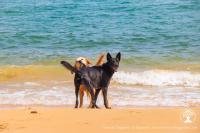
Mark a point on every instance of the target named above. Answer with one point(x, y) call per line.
point(158, 78)
point(120, 95)
point(62, 93)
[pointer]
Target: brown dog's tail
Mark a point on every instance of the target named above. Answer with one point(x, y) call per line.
point(100, 60)
point(88, 93)
point(68, 66)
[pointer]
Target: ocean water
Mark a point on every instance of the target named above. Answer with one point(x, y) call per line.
point(159, 41)
point(146, 32)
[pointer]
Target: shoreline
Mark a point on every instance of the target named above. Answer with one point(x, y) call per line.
point(43, 119)
point(53, 86)
point(16, 107)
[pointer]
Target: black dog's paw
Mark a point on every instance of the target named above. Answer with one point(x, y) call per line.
point(97, 107)
point(108, 107)
point(92, 106)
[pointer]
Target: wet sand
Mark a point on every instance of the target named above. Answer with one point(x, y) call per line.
point(62, 120)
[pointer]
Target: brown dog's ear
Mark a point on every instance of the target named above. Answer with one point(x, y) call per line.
point(109, 57)
point(118, 57)
point(101, 60)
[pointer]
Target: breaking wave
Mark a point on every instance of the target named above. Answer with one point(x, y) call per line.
point(158, 78)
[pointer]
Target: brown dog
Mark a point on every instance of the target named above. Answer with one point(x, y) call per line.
point(78, 64)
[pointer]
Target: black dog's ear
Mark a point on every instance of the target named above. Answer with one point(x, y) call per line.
point(118, 57)
point(109, 57)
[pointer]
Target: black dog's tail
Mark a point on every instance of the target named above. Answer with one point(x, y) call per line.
point(68, 66)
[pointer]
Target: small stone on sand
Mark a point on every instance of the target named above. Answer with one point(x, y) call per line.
point(34, 112)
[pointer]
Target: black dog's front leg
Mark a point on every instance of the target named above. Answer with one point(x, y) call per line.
point(104, 90)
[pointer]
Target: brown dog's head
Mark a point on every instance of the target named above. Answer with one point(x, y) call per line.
point(80, 62)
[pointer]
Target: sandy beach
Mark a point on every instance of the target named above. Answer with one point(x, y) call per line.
point(62, 120)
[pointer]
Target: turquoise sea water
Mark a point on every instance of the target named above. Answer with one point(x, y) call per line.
point(146, 32)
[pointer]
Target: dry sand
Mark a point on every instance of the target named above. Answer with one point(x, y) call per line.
point(68, 120)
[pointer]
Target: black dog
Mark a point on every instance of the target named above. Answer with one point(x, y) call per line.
point(97, 77)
